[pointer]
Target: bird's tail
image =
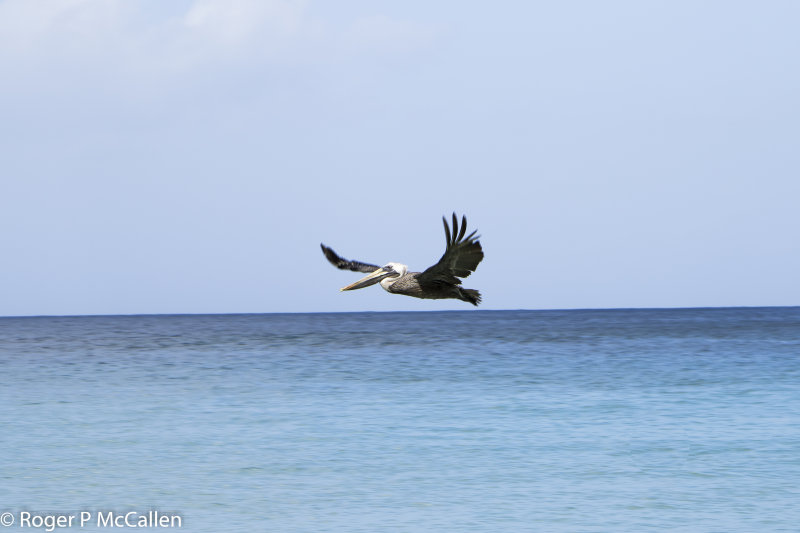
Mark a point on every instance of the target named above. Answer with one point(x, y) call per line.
point(470, 295)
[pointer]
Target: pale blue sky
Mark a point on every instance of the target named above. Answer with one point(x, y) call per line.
point(190, 156)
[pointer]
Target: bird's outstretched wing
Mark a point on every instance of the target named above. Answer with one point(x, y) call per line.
point(461, 257)
point(344, 264)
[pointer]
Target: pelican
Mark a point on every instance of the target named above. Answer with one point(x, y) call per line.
point(460, 259)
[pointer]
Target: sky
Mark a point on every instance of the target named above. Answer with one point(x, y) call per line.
point(190, 156)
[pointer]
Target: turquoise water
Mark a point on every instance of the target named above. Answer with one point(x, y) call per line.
point(616, 420)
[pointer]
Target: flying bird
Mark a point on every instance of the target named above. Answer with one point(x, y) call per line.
point(460, 259)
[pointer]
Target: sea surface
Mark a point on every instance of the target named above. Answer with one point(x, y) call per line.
point(490, 421)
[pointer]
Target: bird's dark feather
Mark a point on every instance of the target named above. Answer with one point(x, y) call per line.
point(461, 255)
point(346, 264)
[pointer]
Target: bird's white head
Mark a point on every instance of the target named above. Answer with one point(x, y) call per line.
point(399, 270)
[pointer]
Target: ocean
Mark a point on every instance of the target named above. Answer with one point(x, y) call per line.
point(475, 421)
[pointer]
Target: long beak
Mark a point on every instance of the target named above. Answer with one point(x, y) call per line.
point(369, 279)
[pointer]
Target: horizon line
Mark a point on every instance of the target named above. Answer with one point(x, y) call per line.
point(556, 309)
